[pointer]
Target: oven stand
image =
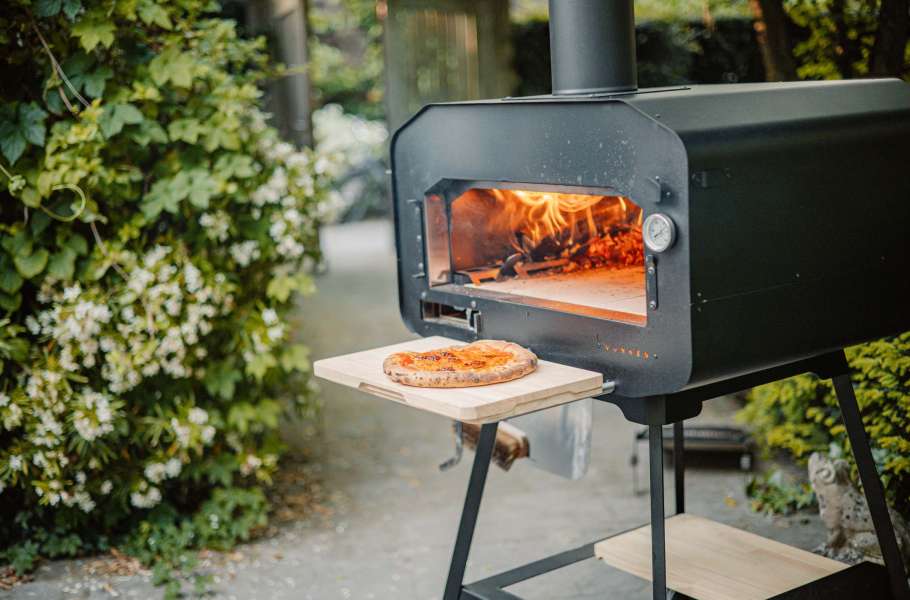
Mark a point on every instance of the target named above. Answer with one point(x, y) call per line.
point(864, 579)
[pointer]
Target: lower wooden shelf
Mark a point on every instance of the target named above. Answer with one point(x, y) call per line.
point(711, 561)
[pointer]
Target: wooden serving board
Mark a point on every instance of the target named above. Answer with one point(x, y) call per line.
point(551, 384)
point(711, 561)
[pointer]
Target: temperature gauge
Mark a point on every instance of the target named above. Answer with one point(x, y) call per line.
point(659, 232)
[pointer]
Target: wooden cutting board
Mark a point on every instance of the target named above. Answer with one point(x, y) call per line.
point(550, 385)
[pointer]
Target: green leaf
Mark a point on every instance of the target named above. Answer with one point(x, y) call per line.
point(62, 264)
point(116, 116)
point(174, 66)
point(31, 122)
point(77, 244)
point(281, 286)
point(221, 378)
point(202, 186)
point(187, 130)
point(296, 358)
point(162, 197)
point(79, 69)
point(10, 280)
point(18, 243)
point(30, 265)
point(12, 143)
point(259, 364)
point(24, 126)
point(238, 166)
point(10, 302)
point(47, 8)
point(93, 30)
point(149, 131)
point(71, 8)
point(152, 13)
point(38, 223)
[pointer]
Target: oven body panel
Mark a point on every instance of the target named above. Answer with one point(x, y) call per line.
point(791, 202)
point(562, 146)
point(799, 217)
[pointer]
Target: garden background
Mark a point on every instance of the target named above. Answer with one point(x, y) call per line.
point(165, 186)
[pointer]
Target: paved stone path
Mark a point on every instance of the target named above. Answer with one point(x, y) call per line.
point(387, 516)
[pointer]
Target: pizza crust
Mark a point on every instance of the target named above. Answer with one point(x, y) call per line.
point(521, 362)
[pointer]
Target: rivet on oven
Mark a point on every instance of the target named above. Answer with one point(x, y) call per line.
point(652, 305)
point(420, 266)
point(651, 270)
point(419, 238)
point(473, 304)
point(423, 295)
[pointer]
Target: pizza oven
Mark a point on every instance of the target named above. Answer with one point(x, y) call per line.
point(668, 237)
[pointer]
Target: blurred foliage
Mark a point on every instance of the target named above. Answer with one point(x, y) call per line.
point(153, 232)
point(647, 10)
point(801, 415)
point(777, 493)
point(346, 56)
point(669, 53)
point(838, 38)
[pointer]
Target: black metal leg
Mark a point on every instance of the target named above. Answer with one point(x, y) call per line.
point(872, 486)
point(658, 538)
point(469, 513)
point(679, 467)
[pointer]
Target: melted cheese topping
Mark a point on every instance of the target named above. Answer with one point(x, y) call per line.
point(455, 359)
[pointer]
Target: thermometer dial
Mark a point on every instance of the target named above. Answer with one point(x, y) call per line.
point(659, 232)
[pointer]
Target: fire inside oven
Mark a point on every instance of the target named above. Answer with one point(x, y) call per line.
point(572, 252)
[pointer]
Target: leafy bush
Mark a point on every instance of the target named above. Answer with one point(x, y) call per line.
point(776, 493)
point(801, 415)
point(153, 231)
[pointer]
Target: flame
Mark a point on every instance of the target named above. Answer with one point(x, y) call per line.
point(583, 231)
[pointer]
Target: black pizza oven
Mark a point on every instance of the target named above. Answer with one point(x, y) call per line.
point(665, 237)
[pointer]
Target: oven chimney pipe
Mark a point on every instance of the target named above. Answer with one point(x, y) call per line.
point(592, 46)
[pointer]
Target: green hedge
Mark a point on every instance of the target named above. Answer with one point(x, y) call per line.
point(669, 53)
point(153, 231)
point(800, 415)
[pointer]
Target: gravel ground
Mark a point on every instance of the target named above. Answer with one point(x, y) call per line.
point(368, 515)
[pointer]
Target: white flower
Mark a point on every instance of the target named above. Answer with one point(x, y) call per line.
point(208, 434)
point(245, 252)
point(34, 327)
point(172, 467)
point(147, 499)
point(155, 472)
point(197, 416)
point(275, 333)
point(269, 316)
point(251, 463)
point(71, 294)
point(106, 487)
point(15, 463)
point(4, 399)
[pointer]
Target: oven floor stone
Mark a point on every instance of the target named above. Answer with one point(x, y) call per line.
point(386, 516)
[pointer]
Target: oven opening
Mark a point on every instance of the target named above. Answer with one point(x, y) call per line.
point(580, 253)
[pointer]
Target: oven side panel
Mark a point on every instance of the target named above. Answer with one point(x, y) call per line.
point(800, 239)
point(606, 144)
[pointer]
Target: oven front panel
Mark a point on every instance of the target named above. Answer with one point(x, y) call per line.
point(522, 221)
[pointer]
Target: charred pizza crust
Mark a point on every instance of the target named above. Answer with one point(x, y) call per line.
point(480, 363)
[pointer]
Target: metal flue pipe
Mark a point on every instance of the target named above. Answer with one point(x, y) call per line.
point(592, 46)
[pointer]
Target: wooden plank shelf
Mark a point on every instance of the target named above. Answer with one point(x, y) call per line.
point(550, 385)
point(707, 560)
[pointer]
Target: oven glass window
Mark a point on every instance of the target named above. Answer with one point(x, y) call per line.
point(578, 253)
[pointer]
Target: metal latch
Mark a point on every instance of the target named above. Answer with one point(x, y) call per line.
point(651, 281)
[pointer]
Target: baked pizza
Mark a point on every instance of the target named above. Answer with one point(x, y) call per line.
point(480, 363)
